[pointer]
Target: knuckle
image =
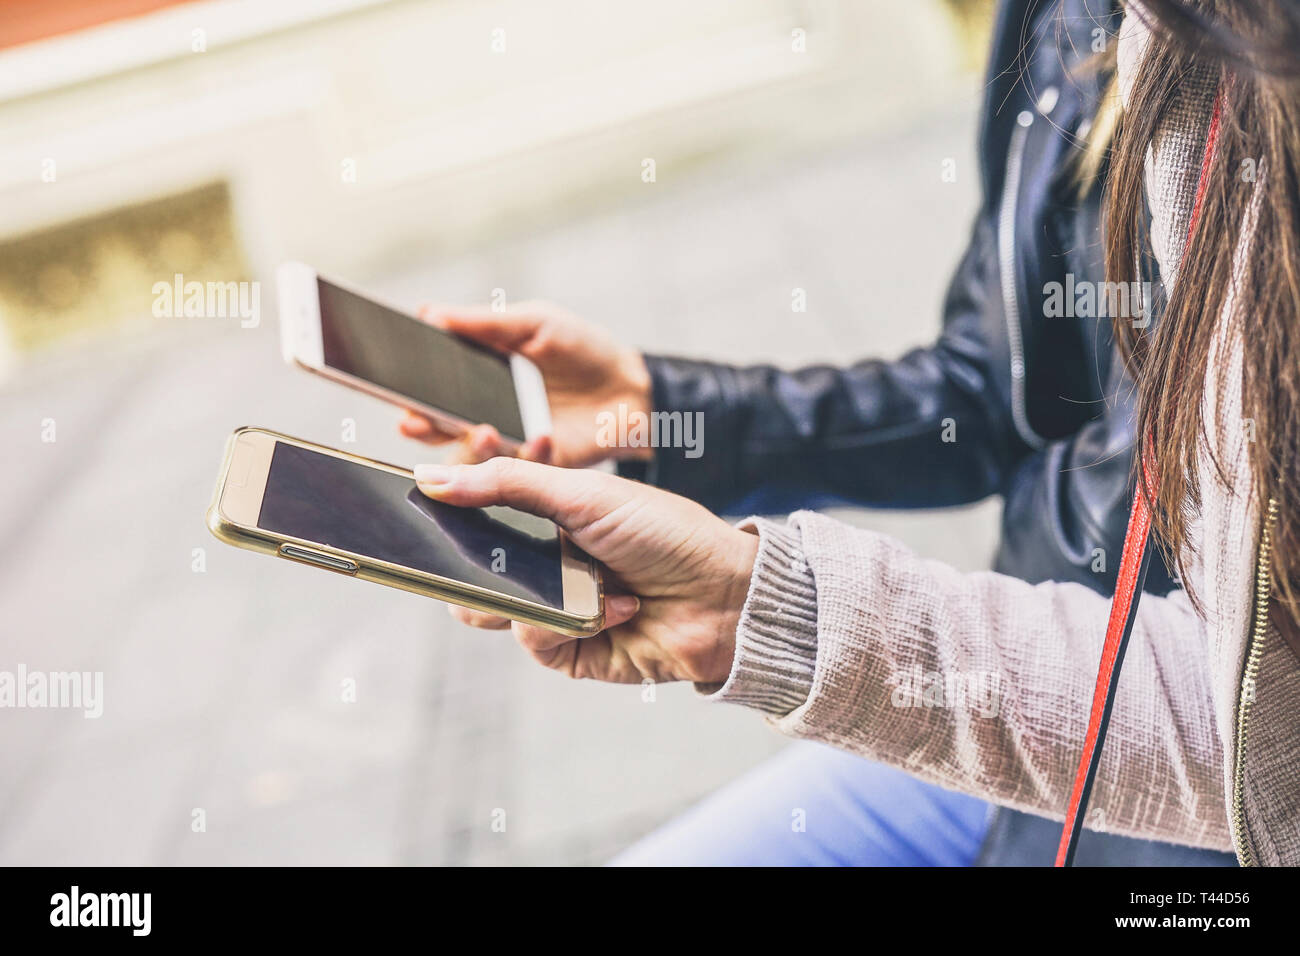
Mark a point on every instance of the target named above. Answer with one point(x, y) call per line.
point(463, 454)
point(530, 638)
point(695, 657)
point(503, 472)
point(547, 342)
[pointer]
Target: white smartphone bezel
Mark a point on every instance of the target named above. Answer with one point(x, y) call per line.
point(302, 345)
point(238, 505)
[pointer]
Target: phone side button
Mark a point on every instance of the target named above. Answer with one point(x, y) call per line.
point(318, 558)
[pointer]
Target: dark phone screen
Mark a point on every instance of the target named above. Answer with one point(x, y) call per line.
point(407, 356)
point(367, 511)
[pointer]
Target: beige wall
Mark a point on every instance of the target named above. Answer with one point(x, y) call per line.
point(363, 135)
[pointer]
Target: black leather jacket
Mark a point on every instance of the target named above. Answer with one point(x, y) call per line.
point(1041, 408)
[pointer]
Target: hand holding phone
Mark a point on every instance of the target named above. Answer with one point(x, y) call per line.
point(339, 512)
point(585, 372)
point(679, 574)
point(530, 380)
point(350, 337)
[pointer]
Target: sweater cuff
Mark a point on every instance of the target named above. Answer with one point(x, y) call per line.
point(776, 640)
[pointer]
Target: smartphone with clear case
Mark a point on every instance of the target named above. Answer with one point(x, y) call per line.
point(339, 512)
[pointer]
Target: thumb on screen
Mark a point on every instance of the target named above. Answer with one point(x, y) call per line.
point(572, 498)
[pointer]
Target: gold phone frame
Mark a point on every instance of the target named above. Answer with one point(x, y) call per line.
point(237, 502)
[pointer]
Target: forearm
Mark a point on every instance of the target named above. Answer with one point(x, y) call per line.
point(979, 682)
point(915, 432)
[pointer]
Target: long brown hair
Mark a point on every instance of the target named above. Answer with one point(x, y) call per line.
point(1252, 48)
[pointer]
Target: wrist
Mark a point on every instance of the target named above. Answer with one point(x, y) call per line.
point(774, 653)
point(742, 549)
point(636, 391)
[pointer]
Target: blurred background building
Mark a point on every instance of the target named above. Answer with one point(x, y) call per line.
point(673, 170)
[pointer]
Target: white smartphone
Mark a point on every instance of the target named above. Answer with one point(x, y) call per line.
point(350, 337)
point(340, 512)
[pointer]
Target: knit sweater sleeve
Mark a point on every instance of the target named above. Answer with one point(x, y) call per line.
point(978, 682)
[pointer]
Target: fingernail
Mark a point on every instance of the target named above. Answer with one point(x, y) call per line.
point(433, 474)
point(623, 605)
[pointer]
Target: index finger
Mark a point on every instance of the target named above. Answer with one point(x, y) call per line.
point(416, 426)
point(506, 331)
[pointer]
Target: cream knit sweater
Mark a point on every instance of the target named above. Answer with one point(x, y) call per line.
point(982, 683)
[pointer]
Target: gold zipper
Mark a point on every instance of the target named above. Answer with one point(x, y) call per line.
point(1259, 630)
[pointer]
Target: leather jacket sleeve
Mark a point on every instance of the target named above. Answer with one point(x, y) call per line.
point(925, 430)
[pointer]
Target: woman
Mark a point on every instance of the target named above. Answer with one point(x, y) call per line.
point(817, 624)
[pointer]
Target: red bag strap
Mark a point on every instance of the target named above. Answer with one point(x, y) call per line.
point(1123, 610)
point(1128, 591)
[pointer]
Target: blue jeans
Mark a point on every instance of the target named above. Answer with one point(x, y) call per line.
point(813, 805)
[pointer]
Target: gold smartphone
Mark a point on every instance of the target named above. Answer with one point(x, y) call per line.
point(347, 514)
